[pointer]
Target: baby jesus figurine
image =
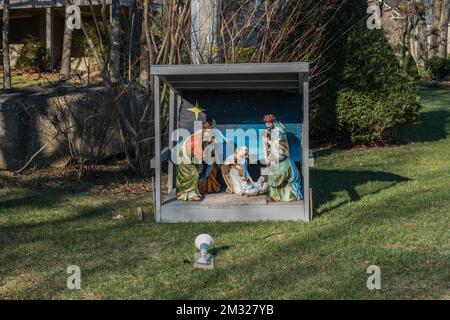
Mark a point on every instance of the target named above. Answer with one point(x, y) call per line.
point(238, 179)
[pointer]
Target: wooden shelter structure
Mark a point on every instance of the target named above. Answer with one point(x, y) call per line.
point(234, 96)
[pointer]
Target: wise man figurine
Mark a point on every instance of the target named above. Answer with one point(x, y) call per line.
point(276, 134)
point(283, 176)
point(192, 177)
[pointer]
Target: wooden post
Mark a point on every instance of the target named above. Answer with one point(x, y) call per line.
point(172, 105)
point(305, 144)
point(157, 199)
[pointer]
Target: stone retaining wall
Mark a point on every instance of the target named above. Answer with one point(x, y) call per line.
point(27, 118)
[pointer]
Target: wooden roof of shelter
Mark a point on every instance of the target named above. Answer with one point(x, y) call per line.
point(250, 76)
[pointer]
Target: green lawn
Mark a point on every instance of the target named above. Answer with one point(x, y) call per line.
point(387, 206)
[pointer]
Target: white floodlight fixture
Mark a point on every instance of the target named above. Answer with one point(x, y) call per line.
point(203, 260)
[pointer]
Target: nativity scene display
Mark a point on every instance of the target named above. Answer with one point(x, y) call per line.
point(238, 147)
point(275, 175)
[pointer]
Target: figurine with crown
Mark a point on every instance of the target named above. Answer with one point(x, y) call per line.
point(193, 177)
point(283, 176)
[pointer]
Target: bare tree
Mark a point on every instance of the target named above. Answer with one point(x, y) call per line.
point(144, 76)
point(278, 31)
point(169, 33)
point(6, 56)
point(443, 29)
point(420, 37)
point(274, 31)
point(434, 32)
point(165, 40)
point(415, 34)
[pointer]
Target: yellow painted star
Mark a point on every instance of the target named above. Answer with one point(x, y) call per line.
point(196, 110)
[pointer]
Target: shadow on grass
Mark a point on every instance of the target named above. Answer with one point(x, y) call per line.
point(324, 276)
point(433, 121)
point(64, 240)
point(218, 250)
point(305, 266)
point(320, 265)
point(431, 126)
point(327, 183)
point(330, 262)
point(38, 197)
point(81, 216)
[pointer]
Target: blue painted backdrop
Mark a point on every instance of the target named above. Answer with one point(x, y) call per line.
point(245, 110)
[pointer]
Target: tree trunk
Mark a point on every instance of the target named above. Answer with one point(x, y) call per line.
point(413, 45)
point(115, 42)
point(413, 39)
point(6, 58)
point(422, 41)
point(144, 64)
point(448, 42)
point(67, 49)
point(405, 40)
point(443, 29)
point(436, 17)
point(134, 27)
point(146, 53)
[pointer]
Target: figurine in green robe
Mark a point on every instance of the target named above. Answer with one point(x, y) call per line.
point(285, 183)
point(284, 179)
point(190, 178)
point(187, 171)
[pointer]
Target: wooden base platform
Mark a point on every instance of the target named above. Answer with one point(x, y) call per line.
point(230, 208)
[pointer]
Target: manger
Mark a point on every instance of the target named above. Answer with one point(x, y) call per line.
point(238, 146)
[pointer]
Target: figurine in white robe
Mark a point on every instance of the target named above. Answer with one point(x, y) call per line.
point(238, 179)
